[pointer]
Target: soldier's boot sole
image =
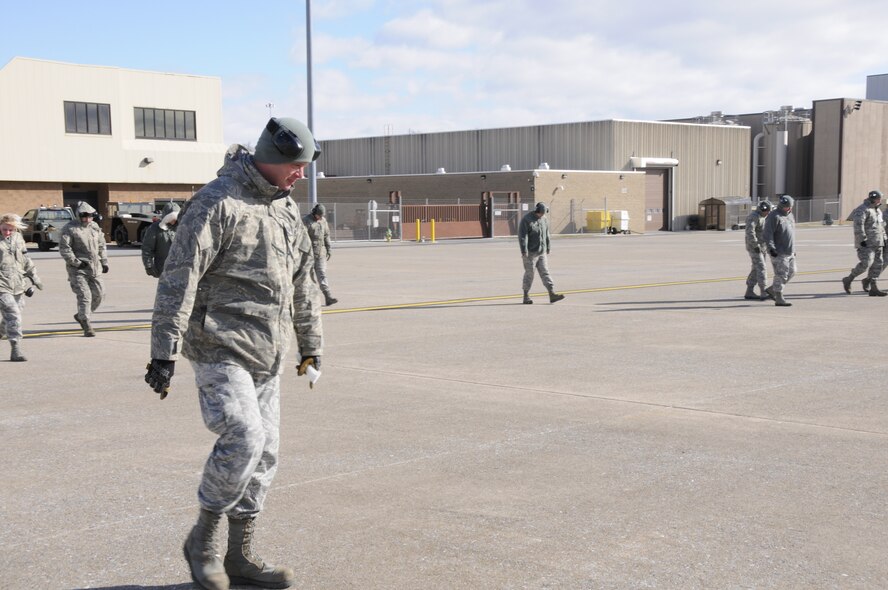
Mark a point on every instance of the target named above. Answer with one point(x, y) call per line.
point(328, 301)
point(846, 283)
point(779, 301)
point(217, 580)
point(750, 294)
point(16, 355)
point(555, 297)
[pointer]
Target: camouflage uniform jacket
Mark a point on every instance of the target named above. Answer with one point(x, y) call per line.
point(779, 232)
point(869, 226)
point(78, 243)
point(533, 234)
point(238, 278)
point(16, 265)
point(319, 232)
point(755, 223)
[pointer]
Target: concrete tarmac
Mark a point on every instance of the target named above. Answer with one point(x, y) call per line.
point(652, 430)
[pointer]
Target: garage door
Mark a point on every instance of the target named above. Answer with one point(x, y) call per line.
point(655, 205)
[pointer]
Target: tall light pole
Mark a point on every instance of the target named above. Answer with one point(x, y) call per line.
point(312, 168)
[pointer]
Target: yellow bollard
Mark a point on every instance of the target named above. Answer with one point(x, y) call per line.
point(433, 231)
point(418, 230)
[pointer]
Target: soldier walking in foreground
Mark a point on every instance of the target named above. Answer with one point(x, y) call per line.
point(869, 239)
point(236, 284)
point(82, 245)
point(319, 232)
point(779, 235)
point(756, 247)
point(15, 267)
point(533, 240)
point(158, 239)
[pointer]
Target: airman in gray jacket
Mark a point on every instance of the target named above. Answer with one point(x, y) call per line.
point(15, 267)
point(869, 240)
point(779, 236)
point(534, 242)
point(158, 239)
point(755, 247)
point(237, 283)
point(82, 245)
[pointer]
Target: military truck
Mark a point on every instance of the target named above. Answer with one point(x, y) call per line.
point(44, 225)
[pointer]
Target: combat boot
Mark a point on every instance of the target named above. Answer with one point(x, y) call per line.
point(329, 299)
point(16, 355)
point(866, 284)
point(527, 300)
point(84, 325)
point(244, 567)
point(750, 293)
point(874, 290)
point(779, 301)
point(846, 283)
point(554, 297)
point(768, 293)
point(206, 568)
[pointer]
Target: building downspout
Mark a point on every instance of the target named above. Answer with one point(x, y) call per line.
point(757, 147)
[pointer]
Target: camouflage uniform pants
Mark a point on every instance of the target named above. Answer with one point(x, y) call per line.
point(870, 258)
point(758, 275)
point(320, 266)
point(89, 291)
point(11, 307)
point(539, 261)
point(245, 413)
point(784, 270)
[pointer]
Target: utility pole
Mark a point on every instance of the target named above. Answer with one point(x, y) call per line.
point(312, 167)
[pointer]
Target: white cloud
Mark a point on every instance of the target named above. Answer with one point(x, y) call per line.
point(460, 64)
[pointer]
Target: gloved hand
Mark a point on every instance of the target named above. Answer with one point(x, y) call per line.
point(772, 252)
point(302, 367)
point(758, 250)
point(149, 270)
point(159, 374)
point(29, 292)
point(83, 264)
point(105, 269)
point(863, 244)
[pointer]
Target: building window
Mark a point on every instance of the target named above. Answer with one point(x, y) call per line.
point(165, 124)
point(87, 117)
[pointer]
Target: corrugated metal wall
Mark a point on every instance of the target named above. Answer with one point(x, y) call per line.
point(597, 145)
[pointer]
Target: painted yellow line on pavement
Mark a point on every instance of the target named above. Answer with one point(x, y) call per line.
point(132, 327)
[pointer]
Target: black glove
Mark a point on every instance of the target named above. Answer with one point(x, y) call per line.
point(159, 374)
point(149, 270)
point(105, 269)
point(772, 252)
point(29, 292)
point(863, 244)
point(83, 264)
point(758, 250)
point(302, 367)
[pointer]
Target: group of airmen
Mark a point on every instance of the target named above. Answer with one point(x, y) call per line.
point(771, 231)
point(83, 247)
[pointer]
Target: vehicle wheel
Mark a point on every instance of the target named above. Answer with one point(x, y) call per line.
point(120, 236)
point(43, 245)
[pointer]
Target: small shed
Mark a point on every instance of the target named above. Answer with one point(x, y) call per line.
point(721, 214)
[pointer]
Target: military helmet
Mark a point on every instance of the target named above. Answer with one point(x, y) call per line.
point(764, 206)
point(319, 210)
point(874, 194)
point(786, 201)
point(540, 208)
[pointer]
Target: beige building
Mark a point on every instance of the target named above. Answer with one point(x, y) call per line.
point(102, 134)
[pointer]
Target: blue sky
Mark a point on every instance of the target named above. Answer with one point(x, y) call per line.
point(438, 65)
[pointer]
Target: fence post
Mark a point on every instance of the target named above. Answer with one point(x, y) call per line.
point(418, 230)
point(433, 231)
